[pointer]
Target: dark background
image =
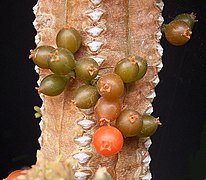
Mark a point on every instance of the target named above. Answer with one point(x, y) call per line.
point(179, 146)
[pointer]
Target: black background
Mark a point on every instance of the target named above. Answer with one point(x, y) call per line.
point(179, 146)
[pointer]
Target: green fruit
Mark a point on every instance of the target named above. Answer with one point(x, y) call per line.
point(61, 61)
point(52, 85)
point(86, 69)
point(69, 38)
point(86, 96)
point(150, 125)
point(142, 63)
point(40, 56)
point(177, 32)
point(187, 18)
point(127, 69)
point(129, 123)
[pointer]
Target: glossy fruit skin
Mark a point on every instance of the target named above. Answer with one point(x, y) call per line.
point(52, 85)
point(177, 32)
point(110, 86)
point(108, 140)
point(150, 125)
point(40, 56)
point(61, 61)
point(107, 110)
point(86, 96)
point(142, 63)
point(14, 174)
point(86, 69)
point(187, 18)
point(129, 123)
point(69, 38)
point(127, 70)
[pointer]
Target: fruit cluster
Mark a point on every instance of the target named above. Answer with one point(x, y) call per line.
point(179, 31)
point(105, 93)
point(59, 60)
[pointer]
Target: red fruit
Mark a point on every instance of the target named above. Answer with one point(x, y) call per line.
point(108, 140)
point(14, 174)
